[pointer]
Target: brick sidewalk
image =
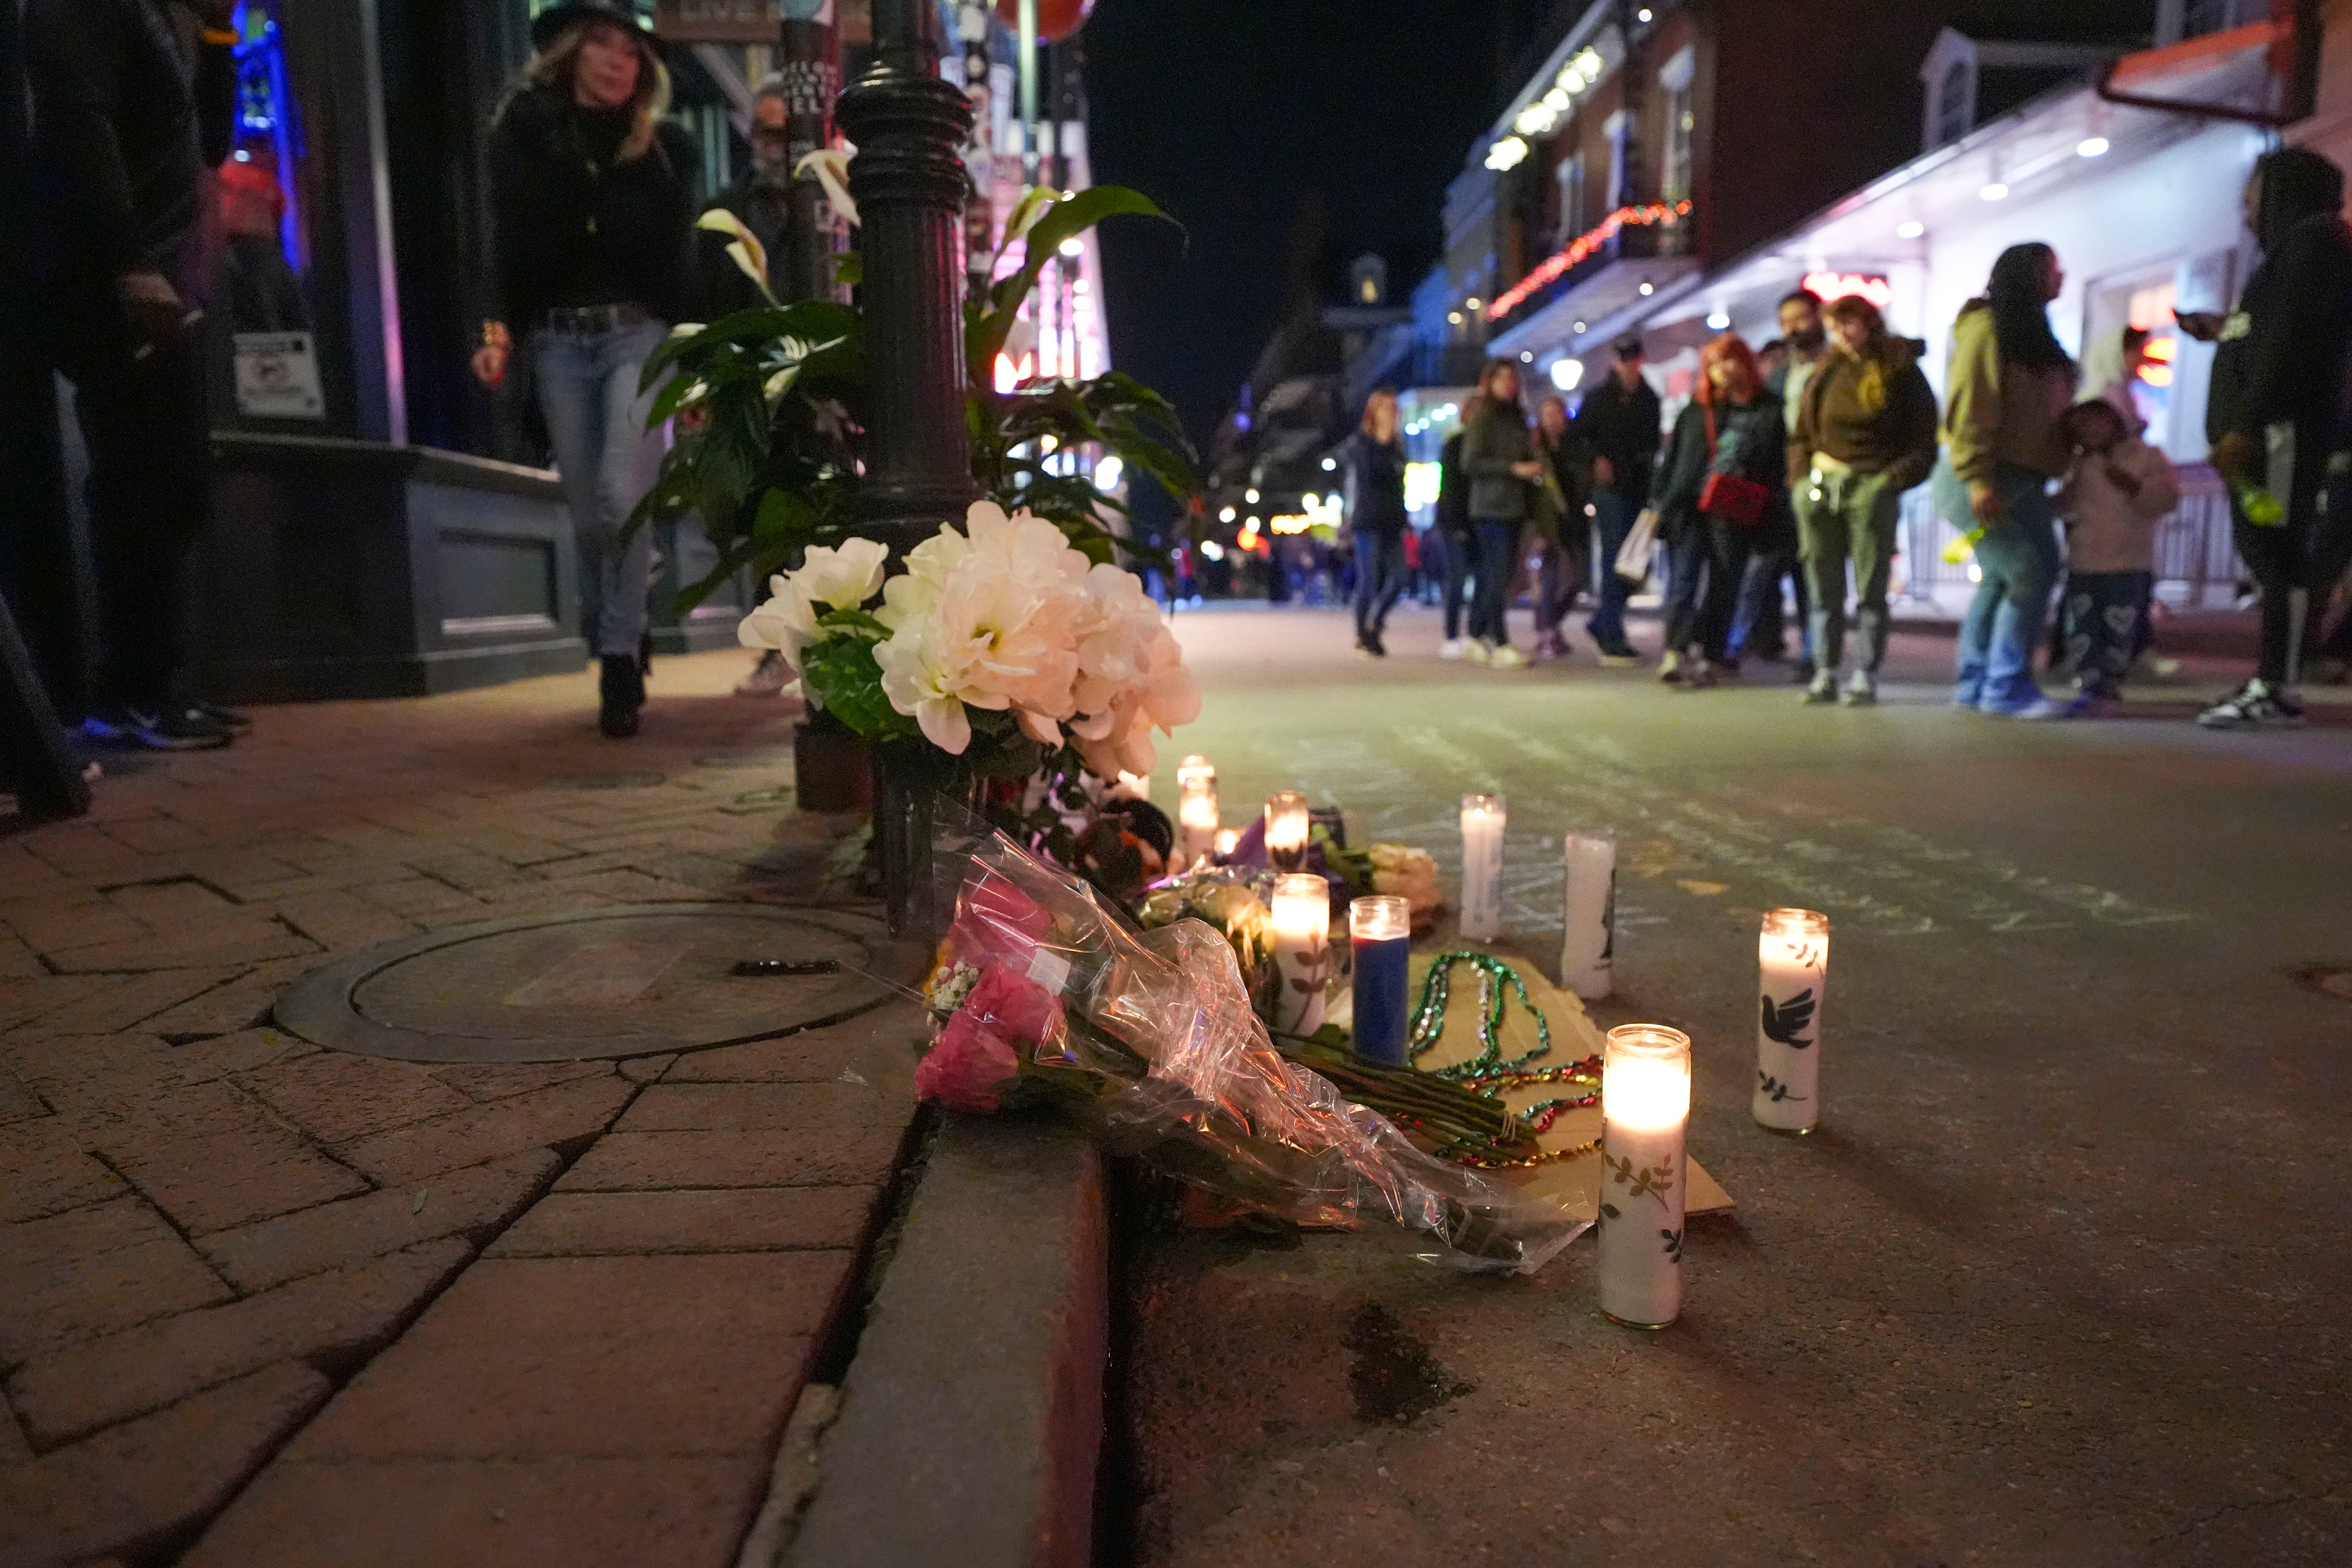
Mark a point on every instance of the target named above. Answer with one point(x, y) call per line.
point(452, 1314)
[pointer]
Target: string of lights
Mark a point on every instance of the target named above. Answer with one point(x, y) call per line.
point(1582, 246)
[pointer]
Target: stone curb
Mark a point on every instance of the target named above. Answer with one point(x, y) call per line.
point(971, 1418)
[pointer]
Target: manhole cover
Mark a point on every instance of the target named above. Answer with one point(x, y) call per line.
point(623, 981)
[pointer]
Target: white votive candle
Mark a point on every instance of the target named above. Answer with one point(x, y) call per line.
point(1793, 982)
point(1646, 1079)
point(1588, 946)
point(1228, 840)
point(1196, 768)
point(1302, 950)
point(1483, 816)
point(1285, 830)
point(1196, 816)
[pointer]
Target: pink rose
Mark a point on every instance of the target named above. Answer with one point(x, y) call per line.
point(997, 924)
point(968, 1065)
point(1015, 1006)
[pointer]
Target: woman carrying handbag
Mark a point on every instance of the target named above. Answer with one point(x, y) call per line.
point(1724, 475)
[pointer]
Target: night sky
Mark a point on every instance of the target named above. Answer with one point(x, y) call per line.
point(1248, 120)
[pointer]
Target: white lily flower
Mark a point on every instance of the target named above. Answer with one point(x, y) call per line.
point(747, 254)
point(686, 330)
point(829, 165)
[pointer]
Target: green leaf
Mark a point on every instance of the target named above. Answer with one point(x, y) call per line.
point(985, 333)
point(848, 269)
point(842, 671)
point(854, 620)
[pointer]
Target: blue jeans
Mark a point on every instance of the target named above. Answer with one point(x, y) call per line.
point(1380, 578)
point(1498, 547)
point(2018, 557)
point(1613, 519)
point(607, 460)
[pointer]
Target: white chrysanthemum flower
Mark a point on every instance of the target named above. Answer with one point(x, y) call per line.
point(843, 576)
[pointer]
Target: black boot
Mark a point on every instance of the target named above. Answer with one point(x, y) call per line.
point(621, 685)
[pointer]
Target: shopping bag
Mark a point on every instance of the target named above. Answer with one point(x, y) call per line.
point(1641, 548)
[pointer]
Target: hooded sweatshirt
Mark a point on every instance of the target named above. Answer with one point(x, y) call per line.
point(2282, 351)
point(1890, 431)
point(1997, 412)
point(2111, 527)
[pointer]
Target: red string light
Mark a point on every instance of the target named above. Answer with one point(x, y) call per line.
point(1548, 271)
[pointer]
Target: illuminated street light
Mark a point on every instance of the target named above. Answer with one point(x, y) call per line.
point(1911, 230)
point(1995, 192)
point(2091, 147)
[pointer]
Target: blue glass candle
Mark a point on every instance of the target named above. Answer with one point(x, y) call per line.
point(1382, 931)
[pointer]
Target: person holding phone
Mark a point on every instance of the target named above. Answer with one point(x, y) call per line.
point(2275, 416)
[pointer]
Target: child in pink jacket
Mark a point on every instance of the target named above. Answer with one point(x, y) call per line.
point(2116, 489)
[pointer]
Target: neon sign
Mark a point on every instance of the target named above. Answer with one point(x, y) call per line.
point(1843, 285)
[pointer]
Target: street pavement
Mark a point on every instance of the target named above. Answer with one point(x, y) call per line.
point(2058, 1282)
point(386, 1313)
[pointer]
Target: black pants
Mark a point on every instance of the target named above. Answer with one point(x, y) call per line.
point(1380, 580)
point(149, 434)
point(1710, 563)
point(1458, 549)
point(2295, 564)
point(1498, 564)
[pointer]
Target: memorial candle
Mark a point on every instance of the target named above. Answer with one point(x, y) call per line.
point(1196, 815)
point(1483, 816)
point(1285, 830)
point(1228, 840)
point(1380, 929)
point(1588, 945)
point(1196, 768)
point(1646, 1079)
point(1302, 950)
point(1793, 982)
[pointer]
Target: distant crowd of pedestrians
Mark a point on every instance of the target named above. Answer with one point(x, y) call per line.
point(1788, 468)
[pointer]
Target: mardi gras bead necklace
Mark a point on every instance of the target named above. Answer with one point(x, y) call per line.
point(1487, 1073)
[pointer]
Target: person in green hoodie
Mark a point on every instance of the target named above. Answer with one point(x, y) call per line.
point(2010, 385)
point(1866, 432)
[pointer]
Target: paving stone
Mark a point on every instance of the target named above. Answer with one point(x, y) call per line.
point(241, 939)
point(24, 1000)
point(638, 1162)
point(94, 1271)
point(17, 1100)
point(140, 1485)
point(474, 1202)
point(749, 1219)
point(542, 1357)
point(14, 1449)
point(832, 1106)
point(106, 1076)
point(340, 921)
point(536, 1121)
point(19, 961)
point(499, 1081)
point(120, 1003)
point(202, 1061)
point(338, 1097)
point(44, 1169)
point(584, 1513)
point(340, 1315)
point(645, 1069)
point(229, 1168)
point(55, 925)
point(240, 1003)
point(418, 896)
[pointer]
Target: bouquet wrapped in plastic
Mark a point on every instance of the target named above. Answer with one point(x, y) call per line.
point(1148, 1038)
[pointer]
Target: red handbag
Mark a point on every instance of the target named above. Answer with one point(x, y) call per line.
point(1732, 499)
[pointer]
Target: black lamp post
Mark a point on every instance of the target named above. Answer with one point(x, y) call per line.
point(909, 185)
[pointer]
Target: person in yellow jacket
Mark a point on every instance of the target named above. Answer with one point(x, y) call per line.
point(2007, 391)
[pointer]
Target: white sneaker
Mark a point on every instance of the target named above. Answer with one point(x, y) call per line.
point(1480, 651)
point(1861, 690)
point(1450, 648)
point(2258, 705)
point(1507, 658)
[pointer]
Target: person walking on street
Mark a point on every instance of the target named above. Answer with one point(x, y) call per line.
point(1452, 536)
point(134, 100)
point(1560, 531)
point(2275, 417)
point(1372, 463)
point(594, 259)
point(1500, 457)
point(1721, 482)
point(1618, 423)
point(2009, 384)
point(1865, 433)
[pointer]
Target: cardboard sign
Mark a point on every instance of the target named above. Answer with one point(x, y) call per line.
point(277, 376)
point(717, 21)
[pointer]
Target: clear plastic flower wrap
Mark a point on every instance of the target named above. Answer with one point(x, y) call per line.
point(1046, 989)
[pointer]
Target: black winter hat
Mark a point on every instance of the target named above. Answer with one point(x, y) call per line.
point(550, 23)
point(2296, 184)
